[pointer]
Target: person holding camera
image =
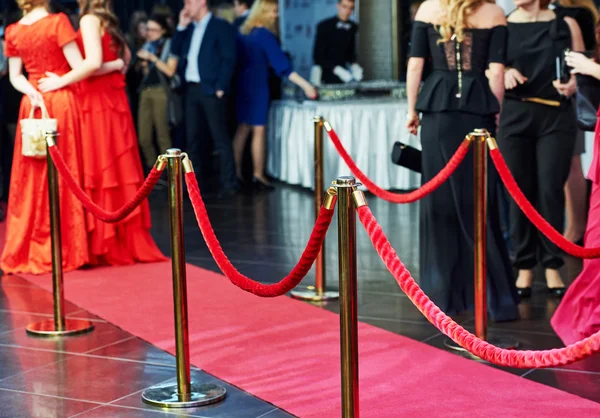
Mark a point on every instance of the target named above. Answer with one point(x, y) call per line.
point(155, 89)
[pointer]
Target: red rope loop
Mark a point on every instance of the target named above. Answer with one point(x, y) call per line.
point(245, 283)
point(534, 216)
point(93, 208)
point(413, 196)
point(482, 349)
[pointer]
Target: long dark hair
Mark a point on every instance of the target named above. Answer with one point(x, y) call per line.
point(110, 22)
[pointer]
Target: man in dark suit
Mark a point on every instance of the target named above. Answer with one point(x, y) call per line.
point(205, 47)
point(241, 8)
point(334, 53)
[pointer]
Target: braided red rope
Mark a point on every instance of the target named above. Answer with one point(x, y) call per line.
point(534, 216)
point(482, 349)
point(413, 196)
point(93, 208)
point(245, 283)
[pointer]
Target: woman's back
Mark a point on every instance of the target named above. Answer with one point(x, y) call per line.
point(458, 80)
point(40, 44)
point(114, 79)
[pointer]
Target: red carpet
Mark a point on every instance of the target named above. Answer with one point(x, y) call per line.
point(287, 352)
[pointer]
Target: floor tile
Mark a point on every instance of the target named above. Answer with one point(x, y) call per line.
point(586, 385)
point(103, 334)
point(17, 360)
point(26, 405)
point(135, 349)
point(237, 402)
point(92, 379)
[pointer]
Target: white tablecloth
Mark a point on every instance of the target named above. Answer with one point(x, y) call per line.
point(367, 128)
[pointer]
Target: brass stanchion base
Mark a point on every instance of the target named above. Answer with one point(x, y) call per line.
point(47, 328)
point(505, 343)
point(166, 395)
point(311, 295)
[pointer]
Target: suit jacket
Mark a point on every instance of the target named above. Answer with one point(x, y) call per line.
point(239, 21)
point(217, 56)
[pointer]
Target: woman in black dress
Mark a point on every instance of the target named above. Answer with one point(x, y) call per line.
point(457, 98)
point(537, 132)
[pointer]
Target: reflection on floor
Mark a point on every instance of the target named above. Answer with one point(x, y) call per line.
point(103, 373)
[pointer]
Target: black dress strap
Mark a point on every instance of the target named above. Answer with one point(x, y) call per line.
point(497, 48)
point(419, 47)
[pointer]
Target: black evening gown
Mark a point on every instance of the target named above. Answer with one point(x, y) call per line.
point(451, 108)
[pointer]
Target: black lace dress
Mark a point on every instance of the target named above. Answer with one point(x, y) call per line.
point(454, 100)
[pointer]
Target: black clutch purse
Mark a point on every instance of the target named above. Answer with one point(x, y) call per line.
point(406, 156)
point(587, 100)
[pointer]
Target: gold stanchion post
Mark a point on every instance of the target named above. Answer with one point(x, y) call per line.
point(346, 186)
point(318, 292)
point(59, 325)
point(184, 393)
point(481, 138)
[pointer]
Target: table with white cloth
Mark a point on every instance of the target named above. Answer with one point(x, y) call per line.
point(367, 128)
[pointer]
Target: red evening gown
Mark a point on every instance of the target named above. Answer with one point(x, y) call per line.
point(113, 169)
point(578, 315)
point(27, 248)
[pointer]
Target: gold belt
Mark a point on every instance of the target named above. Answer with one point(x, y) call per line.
point(553, 103)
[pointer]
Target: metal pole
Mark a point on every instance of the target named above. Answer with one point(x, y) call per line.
point(179, 274)
point(319, 292)
point(348, 295)
point(56, 244)
point(59, 325)
point(481, 140)
point(185, 393)
point(480, 239)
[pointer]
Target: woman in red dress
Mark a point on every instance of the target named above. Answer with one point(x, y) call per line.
point(578, 315)
point(43, 42)
point(111, 160)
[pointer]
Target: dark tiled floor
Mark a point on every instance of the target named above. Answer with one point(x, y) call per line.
point(263, 235)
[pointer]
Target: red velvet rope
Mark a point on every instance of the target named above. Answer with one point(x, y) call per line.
point(534, 216)
point(482, 349)
point(413, 196)
point(245, 283)
point(97, 211)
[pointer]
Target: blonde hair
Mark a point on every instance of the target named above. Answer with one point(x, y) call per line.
point(256, 18)
point(584, 4)
point(455, 20)
point(29, 5)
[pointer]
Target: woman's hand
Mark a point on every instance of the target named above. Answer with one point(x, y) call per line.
point(36, 98)
point(311, 92)
point(146, 56)
point(512, 78)
point(566, 89)
point(51, 82)
point(412, 122)
point(580, 64)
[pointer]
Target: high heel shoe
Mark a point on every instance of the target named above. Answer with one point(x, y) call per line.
point(261, 186)
point(558, 292)
point(524, 292)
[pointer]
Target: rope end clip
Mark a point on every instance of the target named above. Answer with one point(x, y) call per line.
point(161, 163)
point(51, 138)
point(330, 198)
point(188, 167)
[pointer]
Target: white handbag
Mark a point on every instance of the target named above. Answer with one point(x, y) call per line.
point(33, 133)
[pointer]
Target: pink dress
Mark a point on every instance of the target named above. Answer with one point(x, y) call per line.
point(578, 315)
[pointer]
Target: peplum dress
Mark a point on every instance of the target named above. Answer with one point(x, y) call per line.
point(453, 103)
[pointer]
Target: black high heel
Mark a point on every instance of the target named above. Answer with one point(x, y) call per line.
point(260, 186)
point(558, 292)
point(524, 292)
